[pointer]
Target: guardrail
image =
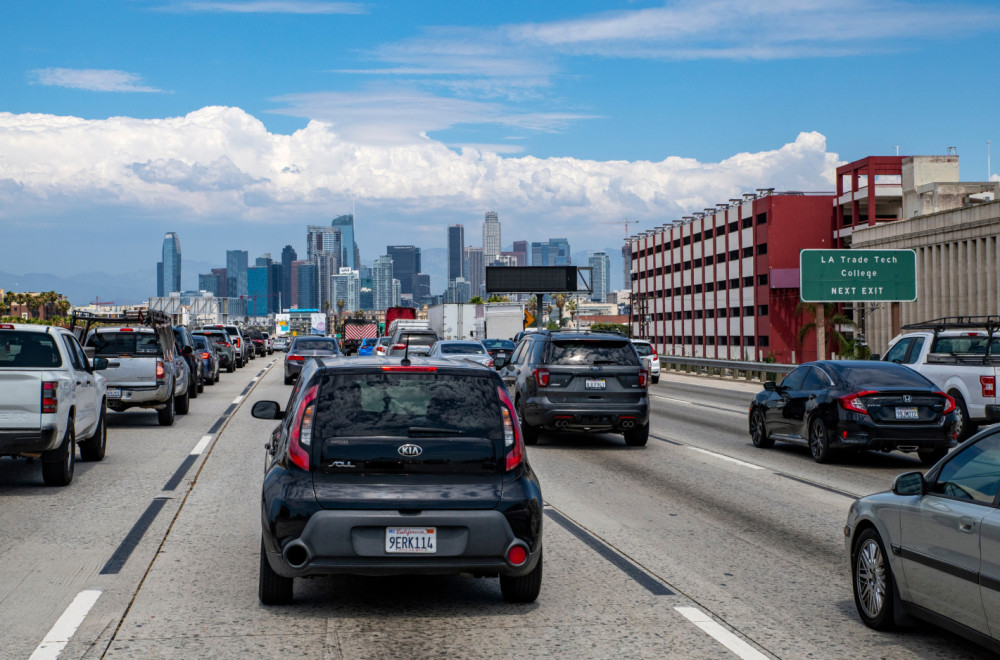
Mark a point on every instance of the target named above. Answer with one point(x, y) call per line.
point(739, 369)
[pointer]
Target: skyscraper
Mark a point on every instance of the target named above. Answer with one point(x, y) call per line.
point(346, 286)
point(382, 282)
point(287, 257)
point(405, 265)
point(236, 273)
point(601, 265)
point(491, 238)
point(222, 291)
point(171, 263)
point(521, 252)
point(456, 251)
point(208, 282)
point(257, 291)
point(324, 247)
point(476, 274)
point(349, 249)
point(553, 252)
point(307, 295)
point(159, 279)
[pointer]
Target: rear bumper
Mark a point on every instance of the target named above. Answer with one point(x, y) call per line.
point(888, 438)
point(132, 397)
point(353, 542)
point(13, 441)
point(992, 414)
point(585, 416)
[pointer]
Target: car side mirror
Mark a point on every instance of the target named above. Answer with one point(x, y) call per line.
point(187, 350)
point(875, 356)
point(267, 410)
point(909, 483)
point(90, 352)
point(99, 364)
point(770, 386)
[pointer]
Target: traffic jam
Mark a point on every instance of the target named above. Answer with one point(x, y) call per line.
point(407, 454)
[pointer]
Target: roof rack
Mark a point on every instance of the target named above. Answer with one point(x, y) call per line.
point(991, 324)
point(153, 318)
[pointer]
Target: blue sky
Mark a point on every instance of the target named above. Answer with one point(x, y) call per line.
point(236, 123)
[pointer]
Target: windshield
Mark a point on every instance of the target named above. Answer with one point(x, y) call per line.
point(29, 350)
point(592, 351)
point(328, 345)
point(117, 344)
point(400, 404)
point(873, 377)
point(462, 349)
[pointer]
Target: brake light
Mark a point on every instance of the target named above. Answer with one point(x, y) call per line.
point(160, 371)
point(125, 330)
point(237, 342)
point(541, 377)
point(643, 378)
point(301, 437)
point(854, 403)
point(656, 358)
point(6, 326)
point(512, 439)
point(50, 393)
point(295, 358)
point(411, 369)
point(206, 355)
point(489, 363)
point(227, 344)
point(989, 385)
point(949, 403)
point(399, 347)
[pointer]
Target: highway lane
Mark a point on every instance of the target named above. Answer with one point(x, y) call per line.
point(750, 539)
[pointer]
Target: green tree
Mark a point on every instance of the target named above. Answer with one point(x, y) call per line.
point(832, 318)
point(620, 328)
point(497, 298)
point(476, 300)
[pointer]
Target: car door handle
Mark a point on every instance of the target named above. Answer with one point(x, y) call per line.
point(966, 524)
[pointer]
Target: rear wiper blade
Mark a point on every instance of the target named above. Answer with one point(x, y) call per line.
point(431, 430)
point(604, 362)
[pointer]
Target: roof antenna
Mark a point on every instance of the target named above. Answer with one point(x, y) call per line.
point(405, 362)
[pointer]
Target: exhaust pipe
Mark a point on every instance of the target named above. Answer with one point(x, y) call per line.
point(628, 424)
point(296, 554)
point(561, 423)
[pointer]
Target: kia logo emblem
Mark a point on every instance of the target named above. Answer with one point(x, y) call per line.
point(410, 450)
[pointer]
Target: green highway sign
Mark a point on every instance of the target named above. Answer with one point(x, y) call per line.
point(857, 275)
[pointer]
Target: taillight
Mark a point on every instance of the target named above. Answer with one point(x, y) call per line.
point(237, 342)
point(854, 403)
point(301, 436)
point(656, 358)
point(949, 403)
point(512, 440)
point(399, 347)
point(643, 378)
point(490, 364)
point(160, 371)
point(6, 326)
point(541, 377)
point(206, 355)
point(989, 385)
point(227, 344)
point(295, 358)
point(50, 393)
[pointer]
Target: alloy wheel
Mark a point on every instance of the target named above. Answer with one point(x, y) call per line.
point(870, 578)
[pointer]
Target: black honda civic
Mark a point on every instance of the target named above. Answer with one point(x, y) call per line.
point(841, 405)
point(382, 467)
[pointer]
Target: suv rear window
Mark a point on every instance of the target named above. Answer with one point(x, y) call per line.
point(592, 351)
point(462, 349)
point(408, 405)
point(418, 338)
point(31, 350)
point(316, 345)
point(643, 349)
point(113, 344)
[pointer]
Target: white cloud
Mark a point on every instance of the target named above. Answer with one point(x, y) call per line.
point(269, 7)
point(94, 80)
point(221, 165)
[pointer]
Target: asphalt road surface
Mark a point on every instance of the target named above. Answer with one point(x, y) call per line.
point(698, 545)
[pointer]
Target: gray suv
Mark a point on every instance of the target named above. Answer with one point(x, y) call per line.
point(579, 381)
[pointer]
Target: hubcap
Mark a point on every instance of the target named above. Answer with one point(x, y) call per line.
point(870, 579)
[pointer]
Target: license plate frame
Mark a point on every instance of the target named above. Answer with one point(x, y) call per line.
point(411, 540)
point(905, 414)
point(114, 393)
point(596, 384)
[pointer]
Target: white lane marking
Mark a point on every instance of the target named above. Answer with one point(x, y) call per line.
point(238, 399)
point(202, 444)
point(727, 458)
point(741, 413)
point(709, 626)
point(65, 627)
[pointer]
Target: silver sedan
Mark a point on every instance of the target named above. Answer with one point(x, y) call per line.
point(462, 349)
point(930, 547)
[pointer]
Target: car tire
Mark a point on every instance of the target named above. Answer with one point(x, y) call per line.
point(194, 380)
point(964, 426)
point(94, 447)
point(929, 457)
point(182, 403)
point(230, 368)
point(758, 430)
point(272, 589)
point(654, 379)
point(166, 414)
point(637, 437)
point(288, 379)
point(201, 386)
point(819, 440)
point(872, 581)
point(59, 464)
point(523, 588)
point(528, 432)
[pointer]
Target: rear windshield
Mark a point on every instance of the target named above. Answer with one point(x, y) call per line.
point(643, 349)
point(498, 343)
point(592, 351)
point(112, 344)
point(200, 341)
point(462, 349)
point(218, 338)
point(414, 405)
point(873, 377)
point(418, 339)
point(316, 345)
point(27, 350)
point(965, 345)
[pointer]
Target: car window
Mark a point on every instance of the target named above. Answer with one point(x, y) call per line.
point(418, 339)
point(379, 404)
point(793, 381)
point(969, 345)
point(200, 342)
point(898, 351)
point(592, 351)
point(914, 354)
point(316, 345)
point(876, 375)
point(815, 380)
point(116, 344)
point(462, 349)
point(515, 358)
point(972, 474)
point(20, 349)
point(74, 357)
point(643, 349)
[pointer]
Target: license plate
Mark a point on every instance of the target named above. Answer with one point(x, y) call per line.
point(411, 540)
point(596, 384)
point(907, 413)
point(114, 393)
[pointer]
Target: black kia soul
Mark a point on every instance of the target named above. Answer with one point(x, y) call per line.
point(382, 468)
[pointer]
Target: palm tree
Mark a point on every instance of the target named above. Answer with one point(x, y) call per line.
point(497, 298)
point(572, 307)
point(340, 307)
point(560, 301)
point(832, 319)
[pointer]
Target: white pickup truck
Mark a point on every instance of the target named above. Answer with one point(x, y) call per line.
point(961, 355)
point(51, 399)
